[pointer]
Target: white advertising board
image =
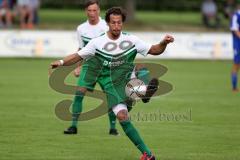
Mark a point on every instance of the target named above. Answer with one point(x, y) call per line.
point(61, 43)
point(37, 43)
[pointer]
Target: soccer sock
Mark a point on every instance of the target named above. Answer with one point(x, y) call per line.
point(133, 135)
point(77, 107)
point(143, 74)
point(234, 80)
point(112, 120)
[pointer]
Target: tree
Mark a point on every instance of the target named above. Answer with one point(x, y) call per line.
point(130, 6)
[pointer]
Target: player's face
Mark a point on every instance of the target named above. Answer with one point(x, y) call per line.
point(115, 25)
point(93, 12)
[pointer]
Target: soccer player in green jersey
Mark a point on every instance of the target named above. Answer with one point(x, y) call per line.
point(92, 28)
point(116, 51)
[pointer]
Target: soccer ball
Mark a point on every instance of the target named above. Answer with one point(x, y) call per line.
point(135, 89)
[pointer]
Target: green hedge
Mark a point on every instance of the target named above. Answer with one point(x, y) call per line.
point(177, 5)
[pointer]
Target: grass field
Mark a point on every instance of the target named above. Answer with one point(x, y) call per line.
point(145, 20)
point(31, 131)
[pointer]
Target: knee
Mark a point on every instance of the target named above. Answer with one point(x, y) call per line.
point(235, 68)
point(238, 66)
point(122, 115)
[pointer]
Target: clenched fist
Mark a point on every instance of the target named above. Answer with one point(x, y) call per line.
point(168, 39)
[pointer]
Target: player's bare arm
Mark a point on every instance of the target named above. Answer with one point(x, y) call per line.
point(160, 48)
point(67, 61)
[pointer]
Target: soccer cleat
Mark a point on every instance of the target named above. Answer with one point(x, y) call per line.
point(113, 132)
point(71, 130)
point(151, 89)
point(146, 157)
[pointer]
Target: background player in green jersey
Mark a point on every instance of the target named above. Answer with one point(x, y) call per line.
point(92, 28)
point(118, 55)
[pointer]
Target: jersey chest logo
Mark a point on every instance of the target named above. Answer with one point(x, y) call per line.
point(111, 46)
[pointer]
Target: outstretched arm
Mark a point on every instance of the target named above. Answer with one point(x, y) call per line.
point(67, 61)
point(160, 48)
point(86, 52)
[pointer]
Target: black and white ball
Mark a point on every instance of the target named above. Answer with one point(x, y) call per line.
point(135, 89)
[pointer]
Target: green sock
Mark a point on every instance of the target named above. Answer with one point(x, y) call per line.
point(143, 74)
point(112, 120)
point(133, 135)
point(76, 107)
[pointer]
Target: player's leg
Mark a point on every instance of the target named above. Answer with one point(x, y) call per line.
point(234, 77)
point(111, 116)
point(9, 18)
point(112, 121)
point(121, 112)
point(1, 19)
point(235, 68)
point(76, 110)
point(86, 81)
point(23, 14)
point(143, 74)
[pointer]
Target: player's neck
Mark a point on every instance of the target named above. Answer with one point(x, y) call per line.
point(112, 36)
point(94, 22)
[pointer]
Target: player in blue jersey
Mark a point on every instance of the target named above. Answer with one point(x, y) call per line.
point(235, 28)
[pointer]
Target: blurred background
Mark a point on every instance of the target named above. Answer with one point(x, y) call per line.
point(174, 15)
point(200, 116)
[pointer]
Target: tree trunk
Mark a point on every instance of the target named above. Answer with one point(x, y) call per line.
point(130, 6)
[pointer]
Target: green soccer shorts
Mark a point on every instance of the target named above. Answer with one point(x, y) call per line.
point(111, 82)
point(89, 74)
point(114, 87)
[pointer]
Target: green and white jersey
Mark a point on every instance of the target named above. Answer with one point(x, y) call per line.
point(86, 31)
point(115, 56)
point(115, 52)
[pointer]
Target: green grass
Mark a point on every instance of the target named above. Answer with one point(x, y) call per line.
point(145, 20)
point(31, 131)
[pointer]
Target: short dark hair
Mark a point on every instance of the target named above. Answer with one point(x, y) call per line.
point(115, 11)
point(90, 2)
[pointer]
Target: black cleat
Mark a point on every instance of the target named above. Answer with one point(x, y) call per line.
point(113, 132)
point(151, 89)
point(71, 130)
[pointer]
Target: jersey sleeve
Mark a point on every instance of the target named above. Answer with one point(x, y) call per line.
point(79, 37)
point(141, 46)
point(88, 51)
point(234, 23)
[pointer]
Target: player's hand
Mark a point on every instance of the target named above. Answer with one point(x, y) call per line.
point(55, 64)
point(167, 39)
point(76, 72)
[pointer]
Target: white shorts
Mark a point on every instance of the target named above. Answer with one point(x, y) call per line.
point(118, 108)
